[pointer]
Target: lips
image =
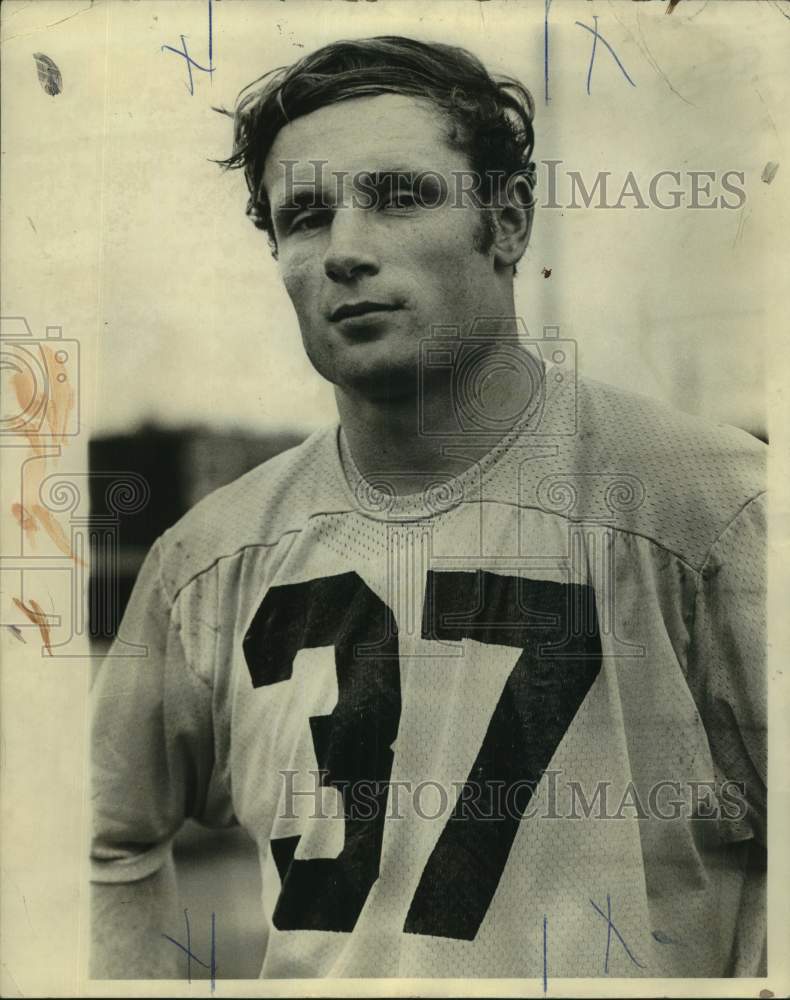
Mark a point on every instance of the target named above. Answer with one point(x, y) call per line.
point(350, 309)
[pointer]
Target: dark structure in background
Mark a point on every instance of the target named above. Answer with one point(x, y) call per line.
point(180, 467)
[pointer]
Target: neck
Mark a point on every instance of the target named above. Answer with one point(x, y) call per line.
point(413, 437)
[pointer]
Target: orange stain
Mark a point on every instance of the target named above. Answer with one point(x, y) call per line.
point(37, 616)
point(54, 530)
point(31, 399)
point(58, 407)
point(61, 396)
point(32, 518)
point(26, 521)
point(56, 399)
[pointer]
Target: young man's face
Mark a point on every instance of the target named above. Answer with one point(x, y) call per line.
point(368, 283)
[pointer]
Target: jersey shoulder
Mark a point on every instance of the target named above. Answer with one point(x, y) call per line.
point(642, 466)
point(259, 508)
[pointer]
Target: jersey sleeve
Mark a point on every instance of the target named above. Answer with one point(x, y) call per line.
point(152, 751)
point(726, 665)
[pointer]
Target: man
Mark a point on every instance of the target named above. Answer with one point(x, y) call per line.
point(480, 669)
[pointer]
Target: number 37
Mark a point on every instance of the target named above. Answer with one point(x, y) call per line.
point(556, 628)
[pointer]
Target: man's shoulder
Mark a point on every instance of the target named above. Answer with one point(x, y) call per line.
point(645, 467)
point(261, 507)
point(639, 420)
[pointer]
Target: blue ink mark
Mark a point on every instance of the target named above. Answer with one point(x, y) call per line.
point(190, 62)
point(189, 946)
point(592, 55)
point(210, 37)
point(14, 629)
point(547, 4)
point(212, 967)
point(596, 35)
point(663, 938)
point(609, 928)
point(545, 953)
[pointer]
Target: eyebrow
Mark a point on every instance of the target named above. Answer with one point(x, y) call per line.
point(379, 177)
point(301, 199)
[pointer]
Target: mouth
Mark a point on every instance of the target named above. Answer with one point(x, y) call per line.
point(353, 309)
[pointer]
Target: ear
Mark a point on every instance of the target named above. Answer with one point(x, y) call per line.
point(513, 223)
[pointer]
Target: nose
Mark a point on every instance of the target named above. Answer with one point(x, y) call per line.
point(350, 253)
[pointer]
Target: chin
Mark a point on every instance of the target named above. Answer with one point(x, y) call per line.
point(385, 381)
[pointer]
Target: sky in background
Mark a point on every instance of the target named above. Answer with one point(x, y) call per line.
point(119, 228)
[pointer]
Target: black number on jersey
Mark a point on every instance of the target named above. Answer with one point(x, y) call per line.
point(554, 625)
point(351, 745)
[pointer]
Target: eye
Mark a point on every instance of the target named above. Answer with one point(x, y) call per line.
point(308, 220)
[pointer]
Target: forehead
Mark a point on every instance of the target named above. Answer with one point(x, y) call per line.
point(361, 135)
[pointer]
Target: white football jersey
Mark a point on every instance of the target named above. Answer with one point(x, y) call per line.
point(511, 725)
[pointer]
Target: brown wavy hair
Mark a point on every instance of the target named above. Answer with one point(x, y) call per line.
point(489, 117)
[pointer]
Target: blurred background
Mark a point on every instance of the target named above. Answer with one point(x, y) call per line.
point(199, 372)
point(123, 231)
